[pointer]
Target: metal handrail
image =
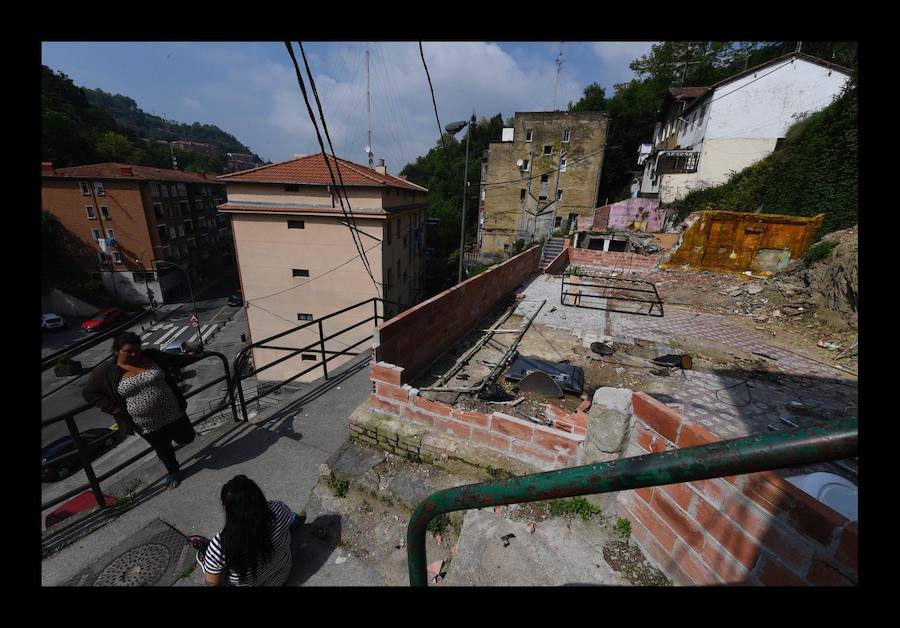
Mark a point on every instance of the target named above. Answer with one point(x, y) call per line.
point(763, 452)
point(81, 447)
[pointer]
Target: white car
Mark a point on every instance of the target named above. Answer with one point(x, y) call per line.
point(50, 320)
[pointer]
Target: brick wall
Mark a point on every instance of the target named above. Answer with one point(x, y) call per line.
point(414, 338)
point(613, 260)
point(559, 263)
point(751, 529)
point(545, 447)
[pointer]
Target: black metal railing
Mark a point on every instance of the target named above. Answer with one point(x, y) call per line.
point(82, 448)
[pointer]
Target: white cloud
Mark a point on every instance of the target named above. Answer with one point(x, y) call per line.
point(614, 57)
point(191, 103)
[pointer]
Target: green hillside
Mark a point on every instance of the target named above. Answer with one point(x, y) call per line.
point(815, 171)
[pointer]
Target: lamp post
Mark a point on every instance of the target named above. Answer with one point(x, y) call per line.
point(191, 290)
point(453, 128)
point(140, 261)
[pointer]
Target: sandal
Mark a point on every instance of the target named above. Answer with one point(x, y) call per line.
point(173, 480)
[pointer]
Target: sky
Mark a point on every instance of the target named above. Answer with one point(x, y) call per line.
point(250, 89)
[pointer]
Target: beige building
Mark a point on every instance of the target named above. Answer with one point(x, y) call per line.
point(543, 173)
point(297, 260)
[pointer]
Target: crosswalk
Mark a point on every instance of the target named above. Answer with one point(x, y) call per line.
point(162, 334)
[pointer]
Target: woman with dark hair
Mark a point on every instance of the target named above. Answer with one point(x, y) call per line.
point(254, 548)
point(138, 388)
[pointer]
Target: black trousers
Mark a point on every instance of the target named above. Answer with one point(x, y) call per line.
point(181, 431)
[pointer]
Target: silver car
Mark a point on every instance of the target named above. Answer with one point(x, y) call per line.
point(49, 320)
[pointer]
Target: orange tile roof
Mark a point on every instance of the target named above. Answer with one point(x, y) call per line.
point(274, 208)
point(112, 170)
point(312, 169)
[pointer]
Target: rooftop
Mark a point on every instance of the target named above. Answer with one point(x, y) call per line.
point(115, 170)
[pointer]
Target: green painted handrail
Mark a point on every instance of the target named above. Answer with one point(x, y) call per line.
point(763, 452)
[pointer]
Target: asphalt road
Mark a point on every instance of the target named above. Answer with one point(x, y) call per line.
point(221, 326)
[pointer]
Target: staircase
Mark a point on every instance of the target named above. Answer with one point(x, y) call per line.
point(552, 248)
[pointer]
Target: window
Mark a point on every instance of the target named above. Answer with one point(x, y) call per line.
point(157, 210)
point(170, 211)
point(198, 204)
point(557, 221)
point(181, 230)
point(300, 272)
point(308, 357)
point(559, 195)
point(173, 233)
point(304, 317)
point(562, 164)
point(548, 149)
point(189, 226)
point(505, 247)
point(102, 257)
point(522, 194)
point(201, 221)
point(192, 243)
point(90, 212)
point(117, 257)
point(178, 211)
point(185, 207)
point(163, 233)
point(529, 134)
point(182, 189)
point(173, 190)
point(175, 253)
point(110, 234)
point(545, 178)
point(95, 234)
point(85, 188)
point(567, 135)
point(165, 190)
point(542, 197)
point(204, 238)
point(99, 189)
point(482, 192)
point(184, 249)
point(296, 224)
point(526, 165)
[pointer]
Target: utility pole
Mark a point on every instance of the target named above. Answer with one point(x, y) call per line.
point(369, 110)
point(559, 62)
point(462, 229)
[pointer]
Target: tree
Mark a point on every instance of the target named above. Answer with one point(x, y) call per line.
point(113, 146)
point(594, 99)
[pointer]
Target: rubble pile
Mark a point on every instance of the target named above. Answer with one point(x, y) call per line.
point(644, 244)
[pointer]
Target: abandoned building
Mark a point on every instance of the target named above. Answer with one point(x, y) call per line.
point(706, 133)
point(290, 232)
point(540, 177)
point(585, 363)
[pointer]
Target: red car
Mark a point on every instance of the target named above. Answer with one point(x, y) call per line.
point(102, 319)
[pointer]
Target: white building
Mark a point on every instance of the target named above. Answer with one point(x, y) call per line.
point(706, 134)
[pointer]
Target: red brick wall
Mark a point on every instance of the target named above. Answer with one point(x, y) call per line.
point(542, 446)
point(559, 263)
point(612, 259)
point(751, 529)
point(414, 338)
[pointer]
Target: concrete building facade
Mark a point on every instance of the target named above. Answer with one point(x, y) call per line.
point(705, 134)
point(543, 174)
point(119, 219)
point(297, 260)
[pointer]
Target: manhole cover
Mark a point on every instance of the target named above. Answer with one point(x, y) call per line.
point(142, 566)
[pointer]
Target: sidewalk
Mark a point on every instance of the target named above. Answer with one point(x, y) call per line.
point(281, 452)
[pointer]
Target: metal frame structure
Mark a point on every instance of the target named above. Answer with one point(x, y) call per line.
point(762, 452)
point(611, 291)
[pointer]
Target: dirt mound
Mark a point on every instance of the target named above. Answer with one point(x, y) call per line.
point(834, 280)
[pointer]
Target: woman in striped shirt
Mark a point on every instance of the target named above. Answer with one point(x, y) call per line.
point(254, 548)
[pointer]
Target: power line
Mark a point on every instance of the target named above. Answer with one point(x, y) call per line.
point(357, 244)
point(434, 102)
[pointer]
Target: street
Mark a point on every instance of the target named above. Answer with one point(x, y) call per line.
point(221, 329)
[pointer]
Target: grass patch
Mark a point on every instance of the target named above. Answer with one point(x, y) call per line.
point(187, 572)
point(438, 525)
point(574, 506)
point(339, 486)
point(819, 251)
point(623, 527)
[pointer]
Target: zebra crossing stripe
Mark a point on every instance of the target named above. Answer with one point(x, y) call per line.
point(181, 330)
point(196, 336)
point(165, 336)
point(212, 328)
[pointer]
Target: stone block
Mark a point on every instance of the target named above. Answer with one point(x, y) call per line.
point(618, 399)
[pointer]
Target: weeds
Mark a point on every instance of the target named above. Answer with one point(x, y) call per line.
point(339, 486)
point(819, 251)
point(575, 506)
point(438, 525)
point(623, 527)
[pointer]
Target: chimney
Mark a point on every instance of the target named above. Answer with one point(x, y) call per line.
point(126, 171)
point(47, 167)
point(379, 167)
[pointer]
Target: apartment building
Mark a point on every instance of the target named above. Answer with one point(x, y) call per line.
point(297, 260)
point(705, 134)
point(542, 174)
point(120, 219)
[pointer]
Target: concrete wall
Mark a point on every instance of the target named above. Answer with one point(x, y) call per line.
point(633, 214)
point(504, 220)
point(754, 529)
point(66, 305)
point(416, 337)
point(402, 261)
point(735, 241)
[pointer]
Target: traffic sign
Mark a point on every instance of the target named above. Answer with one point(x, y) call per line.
point(195, 322)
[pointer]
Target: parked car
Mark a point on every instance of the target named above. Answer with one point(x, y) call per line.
point(49, 320)
point(236, 299)
point(60, 458)
point(102, 319)
point(178, 346)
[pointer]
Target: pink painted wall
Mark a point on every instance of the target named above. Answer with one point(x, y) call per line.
point(618, 216)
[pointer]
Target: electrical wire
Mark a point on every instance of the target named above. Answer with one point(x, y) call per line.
point(434, 102)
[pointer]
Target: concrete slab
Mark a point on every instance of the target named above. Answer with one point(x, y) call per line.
point(560, 552)
point(354, 460)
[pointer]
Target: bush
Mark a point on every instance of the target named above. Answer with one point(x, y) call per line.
point(623, 527)
point(819, 251)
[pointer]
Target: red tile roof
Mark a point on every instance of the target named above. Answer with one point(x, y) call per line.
point(113, 170)
point(274, 208)
point(312, 169)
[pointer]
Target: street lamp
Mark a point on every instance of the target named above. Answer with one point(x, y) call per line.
point(453, 128)
point(191, 290)
point(139, 260)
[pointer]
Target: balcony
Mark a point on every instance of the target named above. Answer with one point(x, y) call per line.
point(677, 162)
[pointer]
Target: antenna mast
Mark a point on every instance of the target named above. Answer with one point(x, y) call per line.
point(559, 62)
point(369, 109)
